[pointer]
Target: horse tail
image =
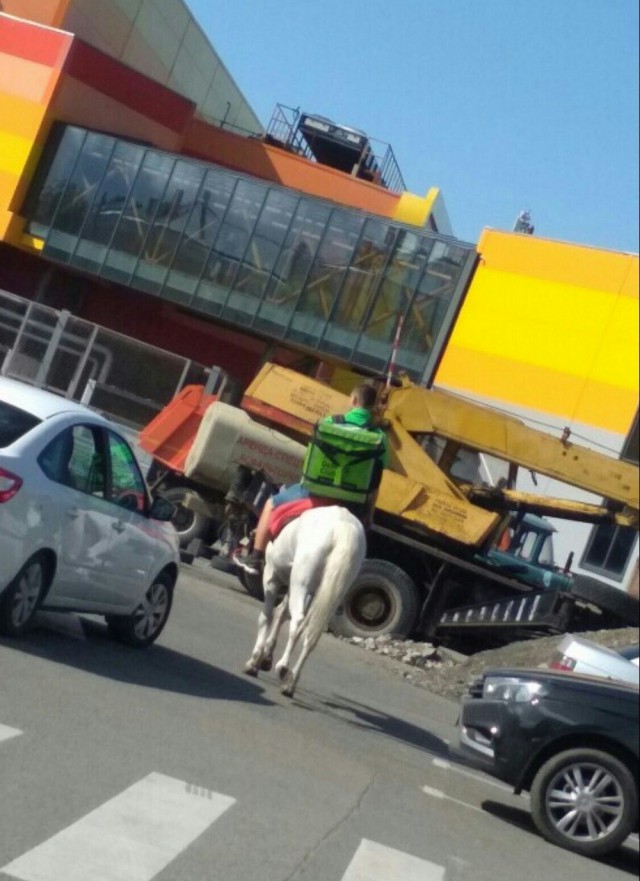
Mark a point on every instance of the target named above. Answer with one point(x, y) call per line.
point(341, 568)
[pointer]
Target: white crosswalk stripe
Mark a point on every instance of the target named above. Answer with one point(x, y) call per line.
point(138, 833)
point(375, 862)
point(132, 837)
point(7, 733)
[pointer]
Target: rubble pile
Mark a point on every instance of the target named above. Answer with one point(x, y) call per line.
point(448, 673)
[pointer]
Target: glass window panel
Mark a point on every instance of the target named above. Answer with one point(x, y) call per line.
point(78, 195)
point(620, 550)
point(393, 297)
point(609, 549)
point(261, 254)
point(107, 206)
point(45, 203)
point(359, 286)
point(229, 246)
point(199, 235)
point(325, 277)
point(168, 226)
point(292, 266)
point(137, 215)
point(430, 306)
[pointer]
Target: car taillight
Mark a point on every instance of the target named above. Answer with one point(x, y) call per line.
point(562, 662)
point(9, 485)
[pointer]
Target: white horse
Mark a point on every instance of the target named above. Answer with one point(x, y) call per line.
point(317, 557)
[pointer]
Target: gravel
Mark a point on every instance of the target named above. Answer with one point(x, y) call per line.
point(448, 673)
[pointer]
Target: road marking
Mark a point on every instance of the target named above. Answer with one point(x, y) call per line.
point(438, 793)
point(450, 766)
point(131, 837)
point(7, 733)
point(375, 862)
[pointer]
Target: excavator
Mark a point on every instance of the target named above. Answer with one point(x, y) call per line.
point(456, 551)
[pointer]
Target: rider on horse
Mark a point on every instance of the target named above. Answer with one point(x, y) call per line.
point(300, 497)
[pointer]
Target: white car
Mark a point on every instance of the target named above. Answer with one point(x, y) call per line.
point(580, 655)
point(78, 528)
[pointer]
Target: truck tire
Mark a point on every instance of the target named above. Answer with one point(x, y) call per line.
point(624, 608)
point(383, 600)
point(188, 524)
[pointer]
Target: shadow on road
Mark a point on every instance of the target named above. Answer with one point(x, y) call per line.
point(154, 667)
point(370, 719)
point(625, 859)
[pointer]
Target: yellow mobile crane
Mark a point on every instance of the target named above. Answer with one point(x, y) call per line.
point(438, 562)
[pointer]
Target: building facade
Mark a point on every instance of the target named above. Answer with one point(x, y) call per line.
point(140, 192)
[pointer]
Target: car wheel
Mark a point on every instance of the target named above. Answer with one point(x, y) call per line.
point(584, 800)
point(19, 602)
point(382, 600)
point(146, 624)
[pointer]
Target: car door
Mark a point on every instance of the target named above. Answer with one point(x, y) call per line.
point(138, 548)
point(78, 513)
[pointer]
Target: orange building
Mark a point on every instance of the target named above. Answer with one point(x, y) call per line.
point(139, 190)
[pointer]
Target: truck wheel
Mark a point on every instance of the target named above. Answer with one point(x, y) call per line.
point(188, 524)
point(382, 600)
point(620, 605)
point(584, 800)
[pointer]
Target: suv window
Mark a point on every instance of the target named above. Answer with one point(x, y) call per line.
point(14, 422)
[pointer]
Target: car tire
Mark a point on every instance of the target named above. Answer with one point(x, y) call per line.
point(19, 602)
point(603, 820)
point(147, 622)
point(622, 606)
point(187, 523)
point(383, 600)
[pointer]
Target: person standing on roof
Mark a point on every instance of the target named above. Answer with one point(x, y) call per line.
point(360, 415)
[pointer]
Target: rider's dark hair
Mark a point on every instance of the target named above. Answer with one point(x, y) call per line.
point(365, 396)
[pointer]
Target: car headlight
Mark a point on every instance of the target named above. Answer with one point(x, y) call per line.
point(511, 689)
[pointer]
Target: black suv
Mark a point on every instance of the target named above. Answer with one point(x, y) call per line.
point(571, 741)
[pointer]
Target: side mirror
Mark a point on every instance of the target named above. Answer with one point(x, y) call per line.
point(162, 509)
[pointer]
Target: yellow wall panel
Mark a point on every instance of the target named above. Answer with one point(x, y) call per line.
point(560, 262)
point(20, 117)
point(563, 395)
point(8, 184)
point(14, 152)
point(415, 209)
point(553, 325)
point(549, 327)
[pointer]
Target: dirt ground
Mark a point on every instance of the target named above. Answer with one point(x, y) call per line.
point(448, 673)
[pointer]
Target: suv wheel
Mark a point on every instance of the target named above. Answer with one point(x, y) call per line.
point(584, 800)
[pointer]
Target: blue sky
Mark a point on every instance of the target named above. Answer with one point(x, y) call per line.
point(503, 104)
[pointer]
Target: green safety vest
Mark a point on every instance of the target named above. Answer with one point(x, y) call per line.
point(343, 461)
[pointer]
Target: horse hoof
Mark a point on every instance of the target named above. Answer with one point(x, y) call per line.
point(266, 665)
point(250, 670)
point(287, 690)
point(283, 672)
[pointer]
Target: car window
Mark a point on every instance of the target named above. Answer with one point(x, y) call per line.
point(74, 458)
point(127, 485)
point(14, 422)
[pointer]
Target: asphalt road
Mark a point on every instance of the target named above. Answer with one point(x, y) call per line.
point(170, 764)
